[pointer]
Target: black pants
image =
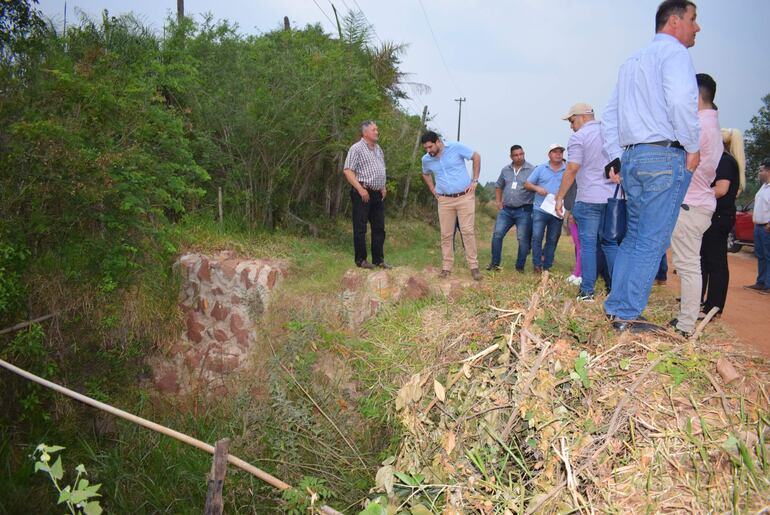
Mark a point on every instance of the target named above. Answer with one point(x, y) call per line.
point(374, 213)
point(713, 262)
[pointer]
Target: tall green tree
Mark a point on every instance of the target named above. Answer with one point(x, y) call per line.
point(758, 140)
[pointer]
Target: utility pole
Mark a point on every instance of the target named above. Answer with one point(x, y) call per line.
point(459, 114)
point(179, 10)
point(405, 197)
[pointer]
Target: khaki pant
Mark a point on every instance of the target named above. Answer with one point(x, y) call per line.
point(685, 254)
point(462, 209)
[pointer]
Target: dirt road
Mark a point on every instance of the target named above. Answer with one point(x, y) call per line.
point(746, 312)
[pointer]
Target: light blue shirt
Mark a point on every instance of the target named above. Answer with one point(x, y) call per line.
point(448, 169)
point(655, 99)
point(544, 176)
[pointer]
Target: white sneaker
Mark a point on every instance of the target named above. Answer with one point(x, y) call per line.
point(572, 279)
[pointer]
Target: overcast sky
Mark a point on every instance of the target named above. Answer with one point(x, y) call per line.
point(519, 63)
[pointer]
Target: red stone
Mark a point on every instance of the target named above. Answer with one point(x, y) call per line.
point(242, 337)
point(217, 291)
point(351, 280)
point(228, 268)
point(222, 364)
point(245, 278)
point(193, 359)
point(194, 328)
point(236, 323)
point(235, 300)
point(416, 288)
point(167, 380)
point(271, 277)
point(220, 335)
point(204, 272)
point(219, 312)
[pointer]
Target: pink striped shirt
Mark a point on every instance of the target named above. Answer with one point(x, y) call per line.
point(700, 193)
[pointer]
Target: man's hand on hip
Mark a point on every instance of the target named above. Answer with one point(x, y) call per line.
point(364, 195)
point(384, 192)
point(692, 161)
point(471, 188)
point(499, 204)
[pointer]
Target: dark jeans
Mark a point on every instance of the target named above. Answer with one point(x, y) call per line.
point(662, 274)
point(374, 213)
point(713, 262)
point(550, 226)
point(507, 217)
point(762, 251)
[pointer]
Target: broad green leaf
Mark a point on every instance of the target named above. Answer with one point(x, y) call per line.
point(80, 468)
point(625, 363)
point(92, 508)
point(419, 509)
point(53, 448)
point(57, 472)
point(64, 495)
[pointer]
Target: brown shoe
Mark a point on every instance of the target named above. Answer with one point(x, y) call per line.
point(365, 264)
point(476, 274)
point(660, 282)
point(538, 270)
point(384, 265)
point(444, 274)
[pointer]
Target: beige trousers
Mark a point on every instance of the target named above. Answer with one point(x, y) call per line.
point(685, 256)
point(462, 209)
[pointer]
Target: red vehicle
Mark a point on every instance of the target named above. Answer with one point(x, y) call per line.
point(743, 232)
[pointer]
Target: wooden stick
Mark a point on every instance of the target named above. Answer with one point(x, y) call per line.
point(22, 325)
point(703, 323)
point(251, 469)
point(214, 503)
point(524, 352)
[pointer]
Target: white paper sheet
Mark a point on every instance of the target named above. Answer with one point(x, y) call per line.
point(549, 205)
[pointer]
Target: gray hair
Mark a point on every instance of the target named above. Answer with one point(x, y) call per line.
point(366, 124)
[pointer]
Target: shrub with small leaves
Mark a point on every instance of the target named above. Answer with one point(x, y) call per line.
point(307, 496)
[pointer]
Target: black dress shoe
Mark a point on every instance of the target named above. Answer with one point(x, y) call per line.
point(384, 265)
point(678, 331)
point(365, 264)
point(493, 268)
point(635, 326)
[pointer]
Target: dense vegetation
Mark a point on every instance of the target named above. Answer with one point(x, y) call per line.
point(115, 144)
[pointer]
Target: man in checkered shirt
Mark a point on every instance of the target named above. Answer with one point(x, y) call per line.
point(365, 171)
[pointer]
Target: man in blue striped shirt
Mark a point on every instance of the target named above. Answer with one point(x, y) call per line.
point(651, 124)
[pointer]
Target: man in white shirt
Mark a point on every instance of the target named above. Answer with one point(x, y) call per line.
point(761, 218)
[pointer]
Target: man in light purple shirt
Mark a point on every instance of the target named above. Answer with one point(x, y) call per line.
point(585, 163)
point(697, 208)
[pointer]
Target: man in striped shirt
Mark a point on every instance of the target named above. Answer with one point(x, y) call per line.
point(365, 171)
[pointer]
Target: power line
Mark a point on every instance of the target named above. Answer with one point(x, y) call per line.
point(435, 41)
point(324, 13)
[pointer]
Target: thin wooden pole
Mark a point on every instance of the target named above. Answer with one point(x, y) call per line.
point(251, 469)
point(214, 503)
point(264, 476)
point(22, 325)
point(219, 202)
point(408, 181)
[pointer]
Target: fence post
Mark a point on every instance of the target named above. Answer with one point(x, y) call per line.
point(219, 203)
point(214, 504)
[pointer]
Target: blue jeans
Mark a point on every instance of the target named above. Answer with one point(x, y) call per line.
point(762, 251)
point(543, 257)
point(590, 220)
point(507, 217)
point(655, 180)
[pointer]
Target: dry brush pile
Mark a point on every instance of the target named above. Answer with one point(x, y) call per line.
point(581, 420)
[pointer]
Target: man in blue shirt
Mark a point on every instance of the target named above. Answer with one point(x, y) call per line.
point(455, 193)
point(545, 180)
point(651, 123)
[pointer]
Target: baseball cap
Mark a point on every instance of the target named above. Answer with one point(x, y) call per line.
point(554, 146)
point(579, 108)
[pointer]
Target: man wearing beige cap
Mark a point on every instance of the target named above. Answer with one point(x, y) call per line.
point(585, 163)
point(545, 181)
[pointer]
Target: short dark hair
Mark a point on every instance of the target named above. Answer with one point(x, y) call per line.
point(765, 163)
point(707, 86)
point(516, 147)
point(669, 7)
point(429, 136)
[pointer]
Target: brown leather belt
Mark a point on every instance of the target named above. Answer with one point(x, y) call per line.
point(452, 195)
